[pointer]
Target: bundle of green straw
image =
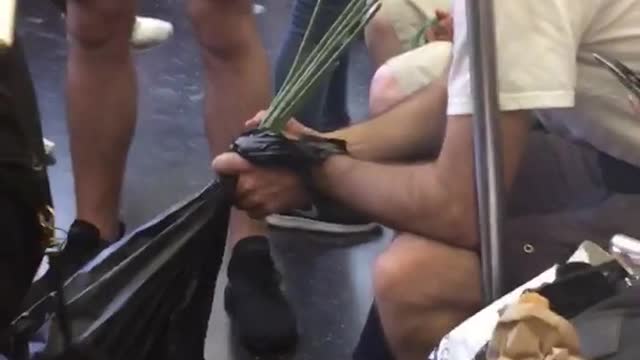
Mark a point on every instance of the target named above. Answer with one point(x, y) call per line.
point(312, 63)
point(419, 38)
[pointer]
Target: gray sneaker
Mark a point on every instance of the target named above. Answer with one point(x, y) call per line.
point(323, 216)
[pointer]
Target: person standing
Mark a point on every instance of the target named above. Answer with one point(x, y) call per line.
point(102, 102)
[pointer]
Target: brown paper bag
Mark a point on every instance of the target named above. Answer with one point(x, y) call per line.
point(529, 330)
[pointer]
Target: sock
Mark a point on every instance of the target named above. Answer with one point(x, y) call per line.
point(251, 261)
point(260, 314)
point(373, 343)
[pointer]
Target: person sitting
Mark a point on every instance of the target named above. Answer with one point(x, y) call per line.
point(562, 189)
point(407, 34)
point(399, 27)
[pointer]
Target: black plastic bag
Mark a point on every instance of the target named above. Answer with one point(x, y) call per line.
point(148, 296)
point(269, 149)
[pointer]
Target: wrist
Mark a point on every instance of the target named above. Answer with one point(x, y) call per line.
point(338, 134)
point(321, 174)
point(351, 136)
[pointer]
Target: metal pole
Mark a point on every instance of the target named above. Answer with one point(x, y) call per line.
point(487, 143)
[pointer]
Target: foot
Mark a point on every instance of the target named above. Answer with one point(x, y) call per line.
point(83, 244)
point(323, 216)
point(149, 32)
point(260, 314)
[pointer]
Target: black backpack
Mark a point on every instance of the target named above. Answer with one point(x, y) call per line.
point(25, 200)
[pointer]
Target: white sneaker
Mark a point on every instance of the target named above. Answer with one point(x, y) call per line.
point(323, 216)
point(149, 32)
point(49, 151)
point(49, 146)
point(258, 9)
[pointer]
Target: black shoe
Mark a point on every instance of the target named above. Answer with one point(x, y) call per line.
point(323, 216)
point(373, 343)
point(261, 316)
point(83, 244)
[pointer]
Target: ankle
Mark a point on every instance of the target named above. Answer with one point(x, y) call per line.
point(251, 260)
point(243, 227)
point(109, 231)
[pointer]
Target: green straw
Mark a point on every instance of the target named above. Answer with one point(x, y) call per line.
point(294, 75)
point(303, 46)
point(309, 68)
point(419, 39)
point(317, 57)
point(305, 89)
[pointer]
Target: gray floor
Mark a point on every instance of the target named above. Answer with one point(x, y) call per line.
point(329, 283)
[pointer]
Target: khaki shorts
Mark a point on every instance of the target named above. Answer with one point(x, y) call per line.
point(409, 16)
point(559, 199)
point(417, 68)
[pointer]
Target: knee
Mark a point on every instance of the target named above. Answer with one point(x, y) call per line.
point(379, 29)
point(224, 28)
point(387, 276)
point(385, 91)
point(100, 23)
point(394, 275)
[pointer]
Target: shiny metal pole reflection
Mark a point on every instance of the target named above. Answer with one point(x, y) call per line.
point(487, 142)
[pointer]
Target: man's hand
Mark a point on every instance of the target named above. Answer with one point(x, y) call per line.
point(294, 130)
point(261, 191)
point(442, 30)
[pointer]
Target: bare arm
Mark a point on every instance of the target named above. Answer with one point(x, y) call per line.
point(436, 200)
point(412, 129)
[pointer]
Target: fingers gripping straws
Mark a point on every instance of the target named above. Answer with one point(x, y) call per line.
point(267, 145)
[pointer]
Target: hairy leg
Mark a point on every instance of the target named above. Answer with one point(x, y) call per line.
point(237, 80)
point(423, 290)
point(101, 92)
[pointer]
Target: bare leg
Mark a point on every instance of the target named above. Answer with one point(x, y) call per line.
point(423, 290)
point(237, 80)
point(61, 5)
point(237, 87)
point(101, 90)
point(385, 91)
point(382, 41)
point(405, 74)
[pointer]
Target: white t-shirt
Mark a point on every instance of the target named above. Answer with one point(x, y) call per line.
point(545, 63)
